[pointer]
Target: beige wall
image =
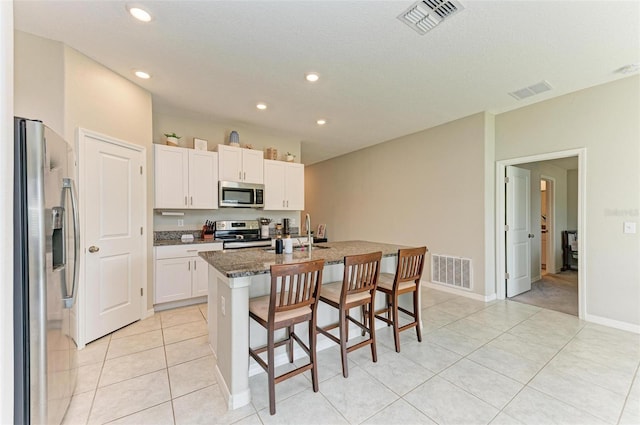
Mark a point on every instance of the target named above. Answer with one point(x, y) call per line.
point(427, 188)
point(39, 80)
point(189, 125)
point(604, 120)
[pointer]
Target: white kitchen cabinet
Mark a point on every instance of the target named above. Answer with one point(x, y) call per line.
point(283, 186)
point(240, 165)
point(185, 178)
point(180, 273)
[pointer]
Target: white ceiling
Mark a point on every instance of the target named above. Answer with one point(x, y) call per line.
point(379, 79)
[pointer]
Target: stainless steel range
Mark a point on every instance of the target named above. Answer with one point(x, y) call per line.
point(240, 234)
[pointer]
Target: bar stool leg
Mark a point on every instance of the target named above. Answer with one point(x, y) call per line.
point(396, 325)
point(372, 331)
point(313, 335)
point(271, 372)
point(290, 344)
point(387, 300)
point(416, 314)
point(343, 341)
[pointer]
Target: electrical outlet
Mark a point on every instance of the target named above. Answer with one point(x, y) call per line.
point(222, 309)
point(180, 222)
point(292, 222)
point(629, 227)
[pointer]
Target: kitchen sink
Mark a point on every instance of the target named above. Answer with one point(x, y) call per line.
point(299, 248)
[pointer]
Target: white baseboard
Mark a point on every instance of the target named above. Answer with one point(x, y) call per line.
point(181, 303)
point(463, 293)
point(625, 326)
point(234, 401)
point(536, 278)
point(148, 313)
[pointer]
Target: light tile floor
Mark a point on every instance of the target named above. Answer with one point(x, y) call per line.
point(479, 363)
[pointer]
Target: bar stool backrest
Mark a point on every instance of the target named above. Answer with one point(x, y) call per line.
point(360, 273)
point(294, 285)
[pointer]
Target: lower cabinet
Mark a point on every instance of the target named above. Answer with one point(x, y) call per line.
point(180, 273)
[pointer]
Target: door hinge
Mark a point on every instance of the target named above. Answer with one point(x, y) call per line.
point(506, 227)
point(506, 276)
point(141, 170)
point(506, 179)
point(141, 231)
point(141, 292)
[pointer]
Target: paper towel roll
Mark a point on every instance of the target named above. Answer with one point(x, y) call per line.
point(288, 246)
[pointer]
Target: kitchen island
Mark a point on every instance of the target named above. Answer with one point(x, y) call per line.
point(237, 275)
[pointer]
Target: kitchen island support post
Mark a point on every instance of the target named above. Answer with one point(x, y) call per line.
point(228, 315)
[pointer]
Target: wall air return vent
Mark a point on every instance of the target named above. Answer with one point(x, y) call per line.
point(452, 271)
point(425, 15)
point(532, 90)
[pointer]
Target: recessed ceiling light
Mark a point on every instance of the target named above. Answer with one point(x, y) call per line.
point(321, 122)
point(140, 14)
point(261, 106)
point(142, 74)
point(312, 77)
point(629, 69)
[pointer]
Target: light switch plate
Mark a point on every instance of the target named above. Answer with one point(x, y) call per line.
point(629, 227)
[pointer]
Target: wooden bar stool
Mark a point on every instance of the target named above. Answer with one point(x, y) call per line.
point(293, 300)
point(357, 289)
point(406, 279)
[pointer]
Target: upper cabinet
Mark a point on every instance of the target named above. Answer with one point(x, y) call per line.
point(283, 186)
point(240, 165)
point(185, 178)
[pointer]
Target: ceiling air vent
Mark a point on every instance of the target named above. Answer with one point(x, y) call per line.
point(425, 15)
point(532, 90)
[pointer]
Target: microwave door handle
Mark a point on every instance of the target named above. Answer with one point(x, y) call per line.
point(67, 184)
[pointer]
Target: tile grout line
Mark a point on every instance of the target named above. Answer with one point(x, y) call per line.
point(166, 363)
point(626, 399)
point(95, 392)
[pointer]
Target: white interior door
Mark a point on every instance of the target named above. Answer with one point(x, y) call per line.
point(518, 233)
point(113, 187)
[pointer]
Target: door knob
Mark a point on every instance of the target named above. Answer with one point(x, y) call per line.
point(93, 249)
point(531, 235)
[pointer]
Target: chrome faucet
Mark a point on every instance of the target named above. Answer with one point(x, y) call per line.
point(307, 224)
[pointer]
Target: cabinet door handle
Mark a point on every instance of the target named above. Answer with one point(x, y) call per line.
point(185, 200)
point(189, 266)
point(240, 175)
point(287, 203)
point(245, 176)
point(195, 265)
point(283, 202)
point(192, 200)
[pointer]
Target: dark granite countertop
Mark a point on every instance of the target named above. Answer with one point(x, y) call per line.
point(168, 242)
point(250, 262)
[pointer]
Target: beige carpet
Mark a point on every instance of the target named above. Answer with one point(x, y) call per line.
point(557, 292)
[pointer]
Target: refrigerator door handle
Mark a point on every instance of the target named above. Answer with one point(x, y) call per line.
point(67, 183)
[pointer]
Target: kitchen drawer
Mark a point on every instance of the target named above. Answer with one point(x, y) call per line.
point(191, 250)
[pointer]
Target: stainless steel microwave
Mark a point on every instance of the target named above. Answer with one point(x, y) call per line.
point(240, 195)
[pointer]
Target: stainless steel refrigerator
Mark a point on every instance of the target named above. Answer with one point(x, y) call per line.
point(46, 244)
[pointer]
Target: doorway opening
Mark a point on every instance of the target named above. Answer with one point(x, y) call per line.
point(554, 209)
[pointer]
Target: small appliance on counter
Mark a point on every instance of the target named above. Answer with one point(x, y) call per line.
point(278, 230)
point(264, 227)
point(207, 230)
point(285, 226)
